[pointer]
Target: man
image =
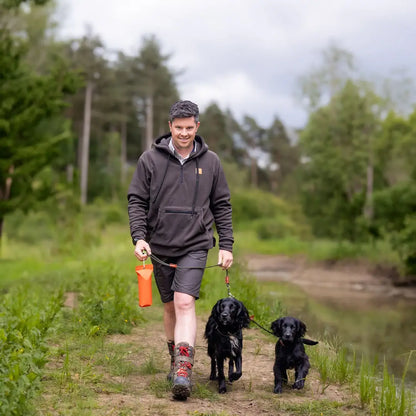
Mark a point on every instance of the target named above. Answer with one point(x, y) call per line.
point(176, 194)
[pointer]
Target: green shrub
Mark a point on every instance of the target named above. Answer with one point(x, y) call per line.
point(24, 322)
point(393, 205)
point(252, 204)
point(276, 227)
point(30, 228)
point(107, 304)
point(270, 216)
point(404, 241)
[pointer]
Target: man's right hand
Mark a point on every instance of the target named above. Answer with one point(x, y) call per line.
point(142, 250)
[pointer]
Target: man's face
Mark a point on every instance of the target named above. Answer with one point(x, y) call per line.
point(183, 132)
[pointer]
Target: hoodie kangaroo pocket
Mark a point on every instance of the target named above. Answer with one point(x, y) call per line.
point(178, 226)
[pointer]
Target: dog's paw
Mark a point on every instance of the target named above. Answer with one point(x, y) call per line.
point(234, 376)
point(213, 377)
point(222, 388)
point(298, 384)
point(278, 389)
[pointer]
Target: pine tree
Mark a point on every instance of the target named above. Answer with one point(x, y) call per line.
point(29, 105)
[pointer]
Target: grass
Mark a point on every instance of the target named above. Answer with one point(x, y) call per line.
point(322, 408)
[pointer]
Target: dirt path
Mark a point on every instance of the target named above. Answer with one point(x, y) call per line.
point(252, 395)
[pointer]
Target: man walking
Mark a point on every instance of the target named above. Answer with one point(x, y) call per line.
point(177, 193)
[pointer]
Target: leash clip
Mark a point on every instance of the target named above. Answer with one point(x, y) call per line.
point(227, 283)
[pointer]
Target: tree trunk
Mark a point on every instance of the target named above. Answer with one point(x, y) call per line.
point(123, 153)
point(86, 143)
point(70, 173)
point(254, 172)
point(369, 206)
point(149, 122)
point(1, 235)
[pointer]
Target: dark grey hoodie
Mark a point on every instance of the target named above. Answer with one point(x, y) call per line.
point(173, 206)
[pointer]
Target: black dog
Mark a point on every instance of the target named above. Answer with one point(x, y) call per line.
point(223, 333)
point(290, 352)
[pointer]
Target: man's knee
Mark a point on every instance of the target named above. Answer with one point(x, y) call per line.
point(184, 302)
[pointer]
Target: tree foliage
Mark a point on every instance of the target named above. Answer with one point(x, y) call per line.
point(29, 137)
point(338, 146)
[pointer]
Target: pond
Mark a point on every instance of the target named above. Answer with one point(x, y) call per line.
point(368, 320)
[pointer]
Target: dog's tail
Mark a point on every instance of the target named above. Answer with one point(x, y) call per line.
point(309, 341)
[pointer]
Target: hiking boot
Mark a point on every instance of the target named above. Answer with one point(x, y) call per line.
point(184, 360)
point(171, 348)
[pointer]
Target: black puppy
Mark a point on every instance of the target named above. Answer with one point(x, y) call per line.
point(290, 352)
point(223, 333)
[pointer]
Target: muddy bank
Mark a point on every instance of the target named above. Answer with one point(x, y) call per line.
point(338, 281)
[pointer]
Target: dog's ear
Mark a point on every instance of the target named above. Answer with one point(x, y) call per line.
point(277, 327)
point(301, 328)
point(243, 317)
point(210, 327)
point(216, 310)
point(213, 319)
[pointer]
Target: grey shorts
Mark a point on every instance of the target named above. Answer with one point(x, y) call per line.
point(186, 278)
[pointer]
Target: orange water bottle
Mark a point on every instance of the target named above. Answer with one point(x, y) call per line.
point(144, 276)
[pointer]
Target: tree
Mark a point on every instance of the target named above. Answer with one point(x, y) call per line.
point(252, 136)
point(283, 155)
point(318, 86)
point(156, 83)
point(338, 144)
point(215, 128)
point(27, 103)
point(87, 57)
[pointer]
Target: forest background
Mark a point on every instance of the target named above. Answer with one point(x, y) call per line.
point(74, 118)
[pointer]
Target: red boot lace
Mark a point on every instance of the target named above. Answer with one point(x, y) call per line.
point(183, 370)
point(184, 351)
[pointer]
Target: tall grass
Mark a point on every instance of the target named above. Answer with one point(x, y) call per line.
point(378, 390)
point(25, 319)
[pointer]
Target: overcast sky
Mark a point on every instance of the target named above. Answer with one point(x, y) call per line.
point(247, 55)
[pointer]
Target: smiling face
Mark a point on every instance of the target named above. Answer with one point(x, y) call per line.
point(183, 131)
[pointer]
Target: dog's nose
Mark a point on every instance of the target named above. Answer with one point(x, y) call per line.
point(224, 314)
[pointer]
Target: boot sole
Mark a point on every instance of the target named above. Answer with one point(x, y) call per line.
point(181, 392)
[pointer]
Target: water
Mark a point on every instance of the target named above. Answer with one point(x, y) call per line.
point(375, 324)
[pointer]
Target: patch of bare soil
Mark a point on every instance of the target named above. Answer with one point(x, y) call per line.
point(339, 281)
point(249, 396)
